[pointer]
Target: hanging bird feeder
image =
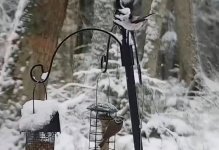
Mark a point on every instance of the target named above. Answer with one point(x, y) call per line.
point(40, 123)
point(101, 115)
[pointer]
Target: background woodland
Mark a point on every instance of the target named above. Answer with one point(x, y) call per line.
point(179, 53)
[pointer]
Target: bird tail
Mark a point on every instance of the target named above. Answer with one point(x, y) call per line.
point(102, 142)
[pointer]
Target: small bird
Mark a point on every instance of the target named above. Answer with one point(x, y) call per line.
point(125, 19)
point(113, 127)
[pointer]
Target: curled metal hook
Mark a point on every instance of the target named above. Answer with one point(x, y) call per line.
point(34, 78)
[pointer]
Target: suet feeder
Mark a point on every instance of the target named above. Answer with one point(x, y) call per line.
point(43, 139)
point(100, 115)
point(40, 140)
point(40, 123)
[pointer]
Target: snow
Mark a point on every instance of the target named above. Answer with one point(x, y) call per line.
point(6, 6)
point(169, 36)
point(6, 142)
point(22, 69)
point(163, 123)
point(17, 21)
point(154, 4)
point(44, 111)
point(152, 30)
point(103, 107)
point(67, 141)
point(125, 11)
point(44, 75)
point(10, 49)
point(212, 84)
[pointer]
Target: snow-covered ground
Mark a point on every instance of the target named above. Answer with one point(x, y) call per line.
point(179, 122)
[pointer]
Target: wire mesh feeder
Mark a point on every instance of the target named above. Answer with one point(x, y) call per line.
point(100, 116)
point(40, 122)
point(40, 140)
point(43, 139)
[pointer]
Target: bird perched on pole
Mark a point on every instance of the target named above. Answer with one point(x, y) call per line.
point(113, 127)
point(125, 19)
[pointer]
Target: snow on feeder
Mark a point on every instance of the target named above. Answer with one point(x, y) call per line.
point(40, 122)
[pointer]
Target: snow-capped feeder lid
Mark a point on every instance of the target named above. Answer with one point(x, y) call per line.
point(44, 119)
point(103, 107)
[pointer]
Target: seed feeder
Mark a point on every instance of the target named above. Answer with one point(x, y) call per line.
point(43, 139)
point(100, 116)
point(40, 123)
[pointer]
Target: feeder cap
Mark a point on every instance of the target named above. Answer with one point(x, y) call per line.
point(103, 107)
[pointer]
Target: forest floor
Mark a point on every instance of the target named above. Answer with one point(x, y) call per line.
point(205, 137)
point(193, 125)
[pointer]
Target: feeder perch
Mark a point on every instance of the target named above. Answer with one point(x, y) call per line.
point(100, 115)
point(40, 127)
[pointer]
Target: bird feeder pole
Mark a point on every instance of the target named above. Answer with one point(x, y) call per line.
point(128, 62)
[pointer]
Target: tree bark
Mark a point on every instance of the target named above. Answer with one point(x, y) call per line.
point(186, 40)
point(37, 40)
point(145, 6)
point(153, 37)
point(65, 61)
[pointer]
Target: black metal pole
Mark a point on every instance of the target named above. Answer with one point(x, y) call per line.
point(128, 62)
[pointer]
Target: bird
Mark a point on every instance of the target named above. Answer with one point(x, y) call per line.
point(113, 127)
point(125, 19)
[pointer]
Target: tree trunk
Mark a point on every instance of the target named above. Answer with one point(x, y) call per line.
point(37, 40)
point(145, 6)
point(186, 40)
point(153, 35)
point(64, 62)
